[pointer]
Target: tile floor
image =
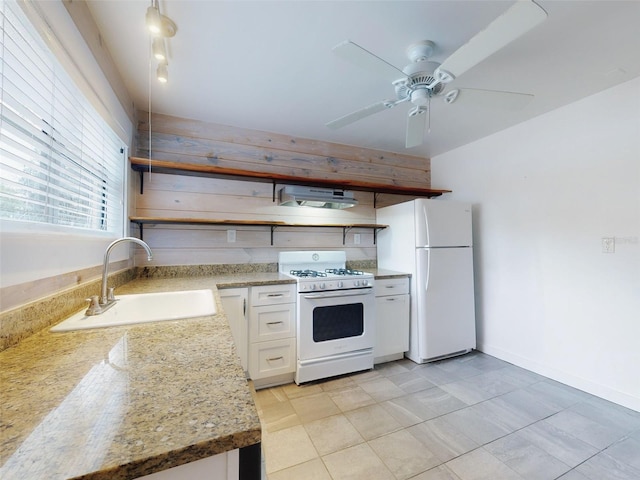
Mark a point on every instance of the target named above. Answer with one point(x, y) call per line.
point(468, 418)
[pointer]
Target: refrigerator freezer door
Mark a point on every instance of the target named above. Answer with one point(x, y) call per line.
point(445, 306)
point(442, 223)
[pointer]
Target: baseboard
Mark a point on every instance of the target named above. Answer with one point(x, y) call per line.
point(602, 391)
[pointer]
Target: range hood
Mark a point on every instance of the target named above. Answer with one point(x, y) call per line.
point(299, 196)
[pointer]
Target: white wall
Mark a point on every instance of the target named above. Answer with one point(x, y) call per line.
point(545, 193)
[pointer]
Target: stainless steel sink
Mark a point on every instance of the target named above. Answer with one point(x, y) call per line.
point(144, 308)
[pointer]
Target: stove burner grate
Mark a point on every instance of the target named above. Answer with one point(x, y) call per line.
point(307, 273)
point(344, 271)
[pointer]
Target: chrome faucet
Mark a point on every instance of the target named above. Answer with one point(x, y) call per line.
point(106, 300)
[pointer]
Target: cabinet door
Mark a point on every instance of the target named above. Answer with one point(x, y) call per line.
point(221, 466)
point(392, 325)
point(234, 303)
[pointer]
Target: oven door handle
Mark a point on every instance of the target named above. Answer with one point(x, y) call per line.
point(340, 293)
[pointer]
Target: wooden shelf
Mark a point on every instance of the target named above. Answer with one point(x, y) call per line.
point(177, 168)
point(141, 221)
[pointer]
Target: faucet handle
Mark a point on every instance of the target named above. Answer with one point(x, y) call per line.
point(94, 306)
point(111, 296)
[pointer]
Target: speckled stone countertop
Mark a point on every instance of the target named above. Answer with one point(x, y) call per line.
point(122, 402)
point(380, 273)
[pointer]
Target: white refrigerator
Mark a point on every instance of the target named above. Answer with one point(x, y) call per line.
point(432, 240)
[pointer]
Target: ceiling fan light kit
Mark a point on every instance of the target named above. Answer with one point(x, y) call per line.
point(422, 79)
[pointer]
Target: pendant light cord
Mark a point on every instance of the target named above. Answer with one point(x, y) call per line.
point(149, 105)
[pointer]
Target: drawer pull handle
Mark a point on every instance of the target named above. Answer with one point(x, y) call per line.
point(273, 359)
point(275, 295)
point(275, 323)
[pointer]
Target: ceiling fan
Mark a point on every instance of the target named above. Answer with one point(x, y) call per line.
point(422, 79)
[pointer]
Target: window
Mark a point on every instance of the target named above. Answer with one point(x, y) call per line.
point(61, 164)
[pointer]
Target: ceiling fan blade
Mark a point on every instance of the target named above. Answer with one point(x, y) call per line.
point(493, 98)
point(516, 21)
point(363, 58)
point(416, 125)
point(357, 115)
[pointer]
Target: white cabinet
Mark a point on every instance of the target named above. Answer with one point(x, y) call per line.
point(235, 302)
point(224, 466)
point(392, 319)
point(272, 334)
point(263, 324)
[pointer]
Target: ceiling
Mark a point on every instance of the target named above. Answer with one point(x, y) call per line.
point(268, 65)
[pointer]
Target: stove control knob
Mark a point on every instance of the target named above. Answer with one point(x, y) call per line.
point(312, 286)
point(322, 286)
point(340, 284)
point(357, 283)
point(365, 283)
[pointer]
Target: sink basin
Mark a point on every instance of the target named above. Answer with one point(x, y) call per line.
point(144, 308)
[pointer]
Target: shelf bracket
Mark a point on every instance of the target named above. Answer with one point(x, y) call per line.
point(375, 198)
point(141, 230)
point(273, 199)
point(141, 185)
point(273, 227)
point(375, 233)
point(345, 229)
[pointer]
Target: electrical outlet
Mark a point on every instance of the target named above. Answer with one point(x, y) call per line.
point(356, 239)
point(231, 236)
point(608, 244)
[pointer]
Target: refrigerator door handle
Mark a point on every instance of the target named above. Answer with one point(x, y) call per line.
point(426, 283)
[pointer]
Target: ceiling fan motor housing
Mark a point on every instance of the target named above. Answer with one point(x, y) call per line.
point(419, 77)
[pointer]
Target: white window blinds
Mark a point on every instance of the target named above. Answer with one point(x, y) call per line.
point(61, 163)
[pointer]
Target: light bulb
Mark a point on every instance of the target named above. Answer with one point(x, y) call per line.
point(158, 49)
point(163, 73)
point(153, 20)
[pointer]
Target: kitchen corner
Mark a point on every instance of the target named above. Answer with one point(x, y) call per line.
point(124, 402)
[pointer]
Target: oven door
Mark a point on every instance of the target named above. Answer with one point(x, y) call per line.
point(335, 322)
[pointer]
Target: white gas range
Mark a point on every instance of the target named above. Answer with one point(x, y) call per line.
point(335, 314)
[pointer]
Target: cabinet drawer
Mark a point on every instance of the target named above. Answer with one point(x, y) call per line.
point(268, 359)
point(271, 322)
point(273, 294)
point(392, 286)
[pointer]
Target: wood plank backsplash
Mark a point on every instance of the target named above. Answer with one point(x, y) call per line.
point(192, 141)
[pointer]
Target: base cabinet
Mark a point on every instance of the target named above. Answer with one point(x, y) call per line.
point(239, 464)
point(272, 334)
point(392, 319)
point(224, 466)
point(263, 324)
point(235, 302)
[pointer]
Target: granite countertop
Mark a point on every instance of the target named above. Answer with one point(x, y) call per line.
point(381, 273)
point(122, 402)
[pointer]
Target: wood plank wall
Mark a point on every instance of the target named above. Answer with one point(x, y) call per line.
point(191, 141)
